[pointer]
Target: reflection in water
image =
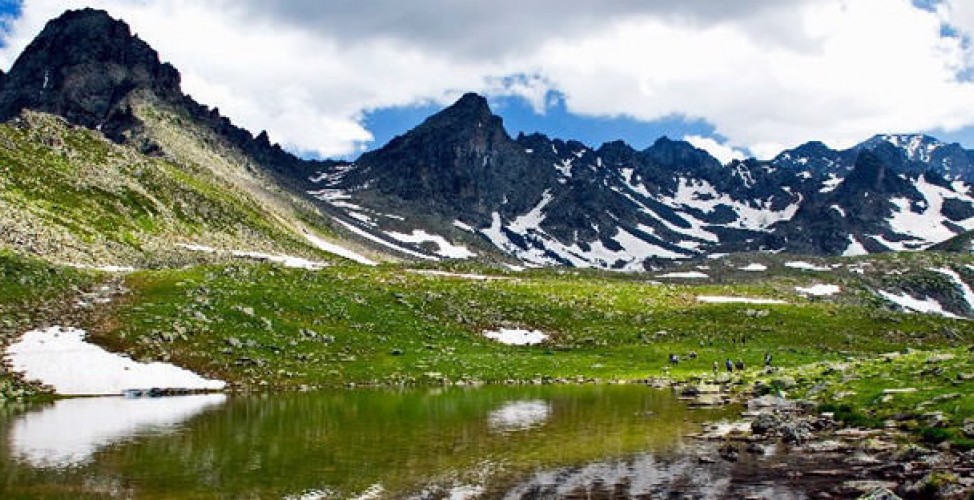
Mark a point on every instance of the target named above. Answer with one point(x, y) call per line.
point(72, 430)
point(681, 475)
point(519, 415)
point(451, 443)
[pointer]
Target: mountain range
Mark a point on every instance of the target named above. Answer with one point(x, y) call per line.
point(459, 186)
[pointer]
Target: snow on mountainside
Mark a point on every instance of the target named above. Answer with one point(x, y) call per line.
point(550, 202)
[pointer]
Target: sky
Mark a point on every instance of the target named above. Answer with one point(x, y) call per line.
point(742, 78)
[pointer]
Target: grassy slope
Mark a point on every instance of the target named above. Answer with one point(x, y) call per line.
point(198, 150)
point(602, 326)
point(68, 194)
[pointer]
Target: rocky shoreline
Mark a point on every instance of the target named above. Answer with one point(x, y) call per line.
point(777, 439)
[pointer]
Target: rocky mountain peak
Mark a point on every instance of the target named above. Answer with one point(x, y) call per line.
point(460, 160)
point(680, 155)
point(468, 117)
point(81, 66)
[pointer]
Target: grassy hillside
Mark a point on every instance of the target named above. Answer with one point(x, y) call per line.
point(68, 194)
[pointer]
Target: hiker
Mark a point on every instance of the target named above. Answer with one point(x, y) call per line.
point(729, 365)
point(767, 359)
point(693, 355)
point(674, 359)
point(740, 365)
point(716, 367)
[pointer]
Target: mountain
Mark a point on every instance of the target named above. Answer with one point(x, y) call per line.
point(460, 177)
point(90, 69)
point(459, 186)
point(178, 172)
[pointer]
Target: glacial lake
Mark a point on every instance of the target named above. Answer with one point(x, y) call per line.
point(533, 441)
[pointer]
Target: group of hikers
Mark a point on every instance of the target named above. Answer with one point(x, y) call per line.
point(729, 365)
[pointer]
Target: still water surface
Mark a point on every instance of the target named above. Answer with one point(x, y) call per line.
point(456, 442)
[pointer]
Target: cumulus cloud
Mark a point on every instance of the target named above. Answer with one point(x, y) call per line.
point(724, 153)
point(767, 74)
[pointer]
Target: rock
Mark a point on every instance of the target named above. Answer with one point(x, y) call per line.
point(708, 400)
point(784, 382)
point(827, 446)
point(234, 342)
point(946, 397)
point(904, 390)
point(940, 357)
point(729, 452)
point(765, 423)
point(968, 428)
point(776, 403)
point(935, 419)
point(880, 493)
point(755, 449)
point(795, 432)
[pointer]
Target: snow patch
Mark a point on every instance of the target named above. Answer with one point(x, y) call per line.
point(928, 226)
point(196, 248)
point(444, 247)
point(339, 250)
point(855, 248)
point(516, 336)
point(806, 266)
point(61, 358)
point(284, 260)
point(829, 184)
point(684, 275)
point(754, 267)
point(719, 299)
point(926, 305)
point(375, 239)
point(819, 290)
point(465, 276)
point(959, 283)
point(701, 195)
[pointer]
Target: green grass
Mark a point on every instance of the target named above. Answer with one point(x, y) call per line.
point(389, 326)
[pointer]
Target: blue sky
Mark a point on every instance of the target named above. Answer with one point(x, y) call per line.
point(330, 79)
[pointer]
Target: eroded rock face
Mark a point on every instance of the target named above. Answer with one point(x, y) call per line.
point(82, 66)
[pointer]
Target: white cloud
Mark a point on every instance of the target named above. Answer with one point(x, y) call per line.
point(767, 74)
point(724, 153)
